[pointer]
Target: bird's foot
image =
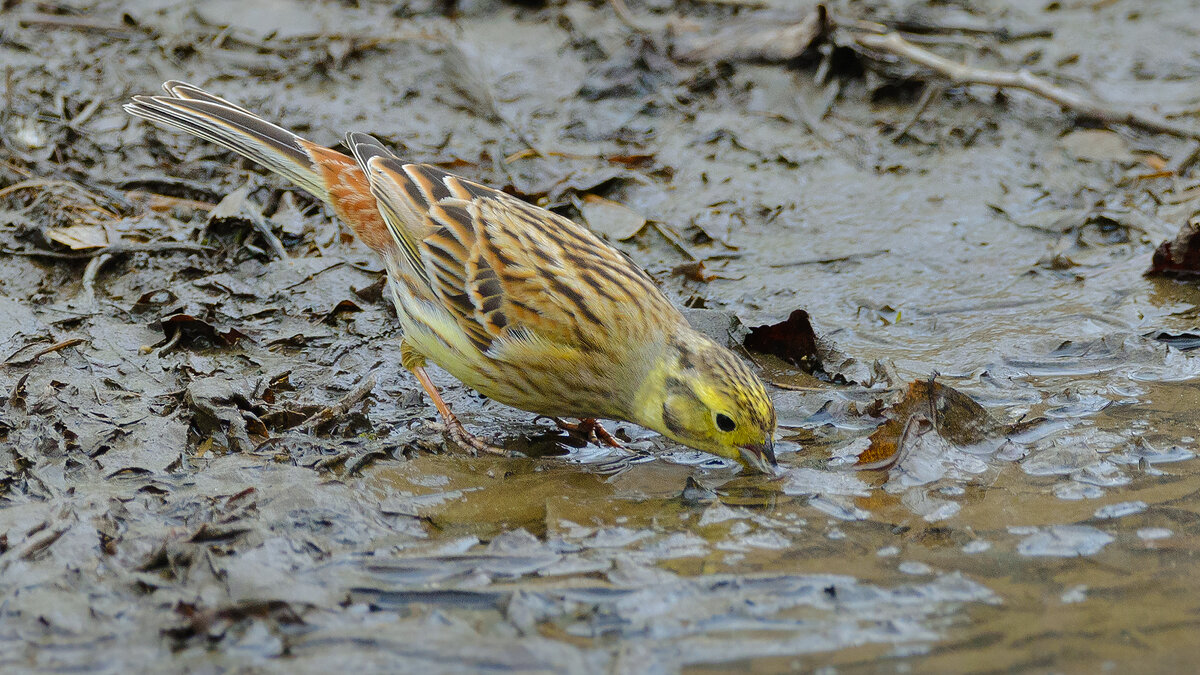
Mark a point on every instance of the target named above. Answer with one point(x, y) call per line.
point(470, 442)
point(454, 429)
point(589, 429)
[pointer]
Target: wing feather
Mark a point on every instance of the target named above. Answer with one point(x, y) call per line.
point(503, 269)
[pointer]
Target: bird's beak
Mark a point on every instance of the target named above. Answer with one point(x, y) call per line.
point(759, 456)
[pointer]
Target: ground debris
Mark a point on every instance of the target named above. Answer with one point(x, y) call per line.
point(796, 342)
point(792, 340)
point(928, 406)
point(1181, 255)
point(250, 491)
point(181, 328)
point(763, 39)
point(214, 623)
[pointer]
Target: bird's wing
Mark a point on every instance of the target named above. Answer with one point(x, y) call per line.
point(506, 269)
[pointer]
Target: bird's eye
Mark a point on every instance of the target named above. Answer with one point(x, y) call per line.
point(725, 422)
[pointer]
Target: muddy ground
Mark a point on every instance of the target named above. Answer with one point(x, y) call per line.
point(175, 498)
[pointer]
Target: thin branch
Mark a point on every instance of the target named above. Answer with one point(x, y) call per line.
point(114, 249)
point(84, 23)
point(70, 342)
point(88, 292)
point(961, 74)
point(340, 408)
point(1185, 159)
point(264, 230)
point(849, 257)
point(930, 92)
point(35, 183)
point(626, 17)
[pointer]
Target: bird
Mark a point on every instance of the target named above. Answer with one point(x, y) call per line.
point(519, 303)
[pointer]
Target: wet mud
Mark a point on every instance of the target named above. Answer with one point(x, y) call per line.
point(212, 461)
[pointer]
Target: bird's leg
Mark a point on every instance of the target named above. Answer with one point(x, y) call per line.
point(454, 428)
point(590, 429)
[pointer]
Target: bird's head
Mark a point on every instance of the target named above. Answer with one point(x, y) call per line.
point(704, 396)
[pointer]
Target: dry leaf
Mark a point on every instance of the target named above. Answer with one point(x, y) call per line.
point(927, 406)
point(612, 220)
point(77, 237)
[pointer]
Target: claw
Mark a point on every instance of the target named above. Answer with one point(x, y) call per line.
point(590, 430)
point(470, 442)
point(454, 429)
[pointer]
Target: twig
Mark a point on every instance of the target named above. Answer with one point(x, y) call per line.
point(626, 17)
point(750, 4)
point(754, 42)
point(961, 74)
point(114, 249)
point(264, 230)
point(465, 75)
point(88, 293)
point(930, 92)
point(71, 342)
point(45, 182)
point(1185, 159)
point(673, 240)
point(1002, 33)
point(827, 261)
point(75, 22)
point(362, 461)
point(85, 114)
point(170, 343)
point(340, 408)
point(35, 545)
point(157, 202)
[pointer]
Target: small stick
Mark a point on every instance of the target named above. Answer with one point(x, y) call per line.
point(171, 343)
point(89, 278)
point(157, 202)
point(362, 460)
point(340, 408)
point(958, 73)
point(71, 342)
point(46, 183)
point(849, 257)
point(114, 249)
point(931, 92)
point(1184, 160)
point(76, 22)
point(264, 230)
point(85, 114)
point(626, 17)
point(1002, 34)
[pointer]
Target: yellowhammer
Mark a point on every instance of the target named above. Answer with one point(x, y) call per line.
point(517, 302)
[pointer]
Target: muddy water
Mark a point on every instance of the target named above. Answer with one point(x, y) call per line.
point(159, 509)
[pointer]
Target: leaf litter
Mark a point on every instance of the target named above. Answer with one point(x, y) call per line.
point(220, 446)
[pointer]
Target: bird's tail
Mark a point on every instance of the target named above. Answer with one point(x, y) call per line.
point(214, 119)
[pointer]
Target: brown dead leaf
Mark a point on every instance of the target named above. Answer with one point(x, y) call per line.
point(792, 340)
point(693, 271)
point(927, 406)
point(632, 161)
point(190, 328)
point(343, 307)
point(1181, 255)
point(1155, 162)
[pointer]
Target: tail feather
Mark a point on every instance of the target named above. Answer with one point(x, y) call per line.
point(214, 119)
point(179, 89)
